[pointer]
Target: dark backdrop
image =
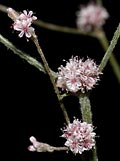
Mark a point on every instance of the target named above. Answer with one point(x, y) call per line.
point(28, 103)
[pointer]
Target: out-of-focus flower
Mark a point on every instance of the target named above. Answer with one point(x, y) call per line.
point(91, 16)
point(22, 22)
point(80, 136)
point(78, 75)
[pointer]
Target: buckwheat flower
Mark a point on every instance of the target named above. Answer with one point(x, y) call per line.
point(80, 136)
point(91, 16)
point(22, 22)
point(78, 75)
point(27, 15)
point(24, 27)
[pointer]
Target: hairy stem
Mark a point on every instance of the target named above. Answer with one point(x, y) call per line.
point(109, 49)
point(47, 68)
point(85, 108)
point(44, 147)
point(23, 55)
point(99, 2)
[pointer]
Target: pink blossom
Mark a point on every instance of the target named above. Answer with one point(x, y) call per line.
point(24, 27)
point(80, 136)
point(91, 16)
point(22, 22)
point(78, 75)
point(27, 15)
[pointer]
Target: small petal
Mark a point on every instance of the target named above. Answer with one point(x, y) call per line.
point(32, 139)
point(31, 148)
point(21, 34)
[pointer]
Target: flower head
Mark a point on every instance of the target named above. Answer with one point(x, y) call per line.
point(80, 136)
point(91, 16)
point(22, 22)
point(78, 75)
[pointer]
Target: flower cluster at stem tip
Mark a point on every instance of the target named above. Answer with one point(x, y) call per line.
point(78, 75)
point(22, 22)
point(80, 136)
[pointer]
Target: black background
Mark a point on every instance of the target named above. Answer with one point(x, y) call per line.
point(28, 103)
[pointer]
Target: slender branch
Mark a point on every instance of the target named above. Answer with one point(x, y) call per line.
point(22, 54)
point(109, 55)
point(3, 8)
point(43, 147)
point(99, 2)
point(63, 29)
point(47, 68)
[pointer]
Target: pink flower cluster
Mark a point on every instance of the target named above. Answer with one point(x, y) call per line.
point(22, 22)
point(78, 75)
point(91, 16)
point(80, 136)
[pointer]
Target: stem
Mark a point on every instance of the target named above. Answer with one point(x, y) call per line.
point(109, 55)
point(63, 29)
point(3, 8)
point(44, 147)
point(85, 108)
point(22, 54)
point(47, 68)
point(87, 117)
point(99, 2)
point(93, 155)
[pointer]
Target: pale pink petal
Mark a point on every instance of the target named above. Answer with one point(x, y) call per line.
point(31, 148)
point(32, 139)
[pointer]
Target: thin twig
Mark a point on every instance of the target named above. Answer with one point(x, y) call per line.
point(22, 54)
point(108, 55)
point(47, 68)
point(43, 147)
